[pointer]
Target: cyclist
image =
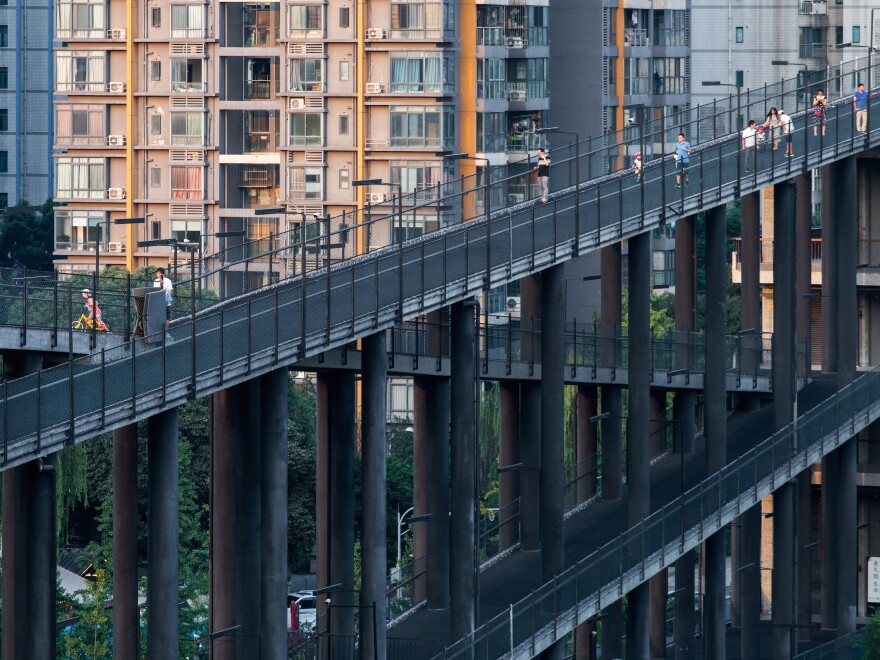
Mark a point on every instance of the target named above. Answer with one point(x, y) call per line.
point(93, 311)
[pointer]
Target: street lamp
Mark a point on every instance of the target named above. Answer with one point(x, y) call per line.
point(577, 183)
point(400, 519)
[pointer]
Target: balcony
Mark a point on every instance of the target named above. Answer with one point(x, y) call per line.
point(259, 142)
point(259, 26)
point(188, 87)
point(636, 37)
point(524, 142)
point(258, 89)
point(812, 7)
point(818, 51)
point(526, 90)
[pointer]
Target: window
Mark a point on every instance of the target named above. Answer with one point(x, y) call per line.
point(4, 77)
point(307, 75)
point(186, 75)
point(429, 127)
point(79, 125)
point(412, 226)
point(419, 177)
point(260, 133)
point(4, 36)
point(82, 18)
point(636, 76)
point(419, 19)
point(527, 78)
point(421, 73)
point(740, 35)
point(344, 70)
point(344, 179)
point(260, 228)
point(155, 177)
point(155, 124)
point(156, 70)
point(186, 182)
point(4, 199)
point(155, 230)
point(306, 183)
point(306, 21)
point(491, 78)
point(305, 130)
point(740, 79)
point(79, 71)
point(4, 161)
point(156, 17)
point(187, 21)
point(344, 15)
point(4, 119)
point(343, 124)
point(80, 178)
point(187, 128)
point(669, 75)
point(78, 230)
point(812, 42)
point(670, 27)
point(259, 25)
point(491, 136)
point(186, 230)
point(856, 34)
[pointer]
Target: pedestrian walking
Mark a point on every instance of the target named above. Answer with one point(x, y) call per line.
point(860, 105)
point(682, 158)
point(749, 145)
point(162, 282)
point(543, 169)
point(820, 103)
point(637, 167)
point(773, 124)
point(787, 127)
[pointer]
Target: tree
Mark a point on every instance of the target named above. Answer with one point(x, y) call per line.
point(870, 640)
point(302, 410)
point(90, 637)
point(26, 238)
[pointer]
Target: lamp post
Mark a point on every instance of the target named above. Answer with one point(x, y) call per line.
point(400, 519)
point(870, 49)
point(577, 183)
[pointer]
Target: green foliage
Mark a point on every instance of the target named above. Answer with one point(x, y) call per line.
point(301, 403)
point(26, 238)
point(72, 484)
point(90, 638)
point(870, 639)
point(490, 394)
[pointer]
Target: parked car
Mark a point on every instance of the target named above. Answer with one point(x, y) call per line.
point(306, 605)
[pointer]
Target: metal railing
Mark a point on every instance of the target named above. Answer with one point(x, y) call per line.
point(848, 647)
point(606, 575)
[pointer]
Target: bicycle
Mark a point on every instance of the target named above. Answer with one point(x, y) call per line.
point(85, 323)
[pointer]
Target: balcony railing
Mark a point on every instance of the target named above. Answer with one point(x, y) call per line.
point(259, 142)
point(186, 87)
point(813, 51)
point(636, 37)
point(257, 36)
point(523, 91)
point(525, 141)
point(812, 7)
point(258, 89)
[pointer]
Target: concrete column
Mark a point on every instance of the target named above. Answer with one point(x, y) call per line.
point(803, 271)
point(530, 419)
point(846, 219)
point(684, 606)
point(273, 505)
point(831, 197)
point(612, 631)
point(587, 407)
point(462, 541)
point(248, 521)
point(336, 427)
point(639, 426)
point(585, 641)
point(716, 421)
point(162, 536)
point(612, 395)
point(421, 398)
point(658, 588)
point(659, 426)
point(685, 276)
point(125, 541)
point(830, 510)
point(508, 482)
point(43, 559)
point(803, 553)
point(783, 406)
point(438, 494)
point(749, 577)
point(750, 288)
point(373, 487)
point(228, 423)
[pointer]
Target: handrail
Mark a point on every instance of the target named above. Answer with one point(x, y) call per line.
point(848, 647)
point(607, 574)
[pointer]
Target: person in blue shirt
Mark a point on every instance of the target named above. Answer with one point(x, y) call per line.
point(682, 158)
point(860, 105)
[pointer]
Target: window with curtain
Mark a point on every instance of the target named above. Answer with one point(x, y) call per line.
point(306, 183)
point(307, 75)
point(187, 21)
point(670, 27)
point(83, 18)
point(636, 75)
point(259, 228)
point(306, 129)
point(421, 126)
point(79, 178)
point(79, 71)
point(306, 21)
point(79, 124)
point(418, 19)
point(186, 75)
point(417, 73)
point(420, 177)
point(187, 128)
point(186, 182)
point(78, 230)
point(669, 75)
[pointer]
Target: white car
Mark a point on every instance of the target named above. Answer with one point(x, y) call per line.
point(307, 605)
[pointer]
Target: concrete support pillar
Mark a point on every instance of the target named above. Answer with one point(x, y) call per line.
point(125, 538)
point(639, 426)
point(612, 631)
point(15, 562)
point(587, 407)
point(750, 288)
point(438, 494)
point(831, 197)
point(585, 641)
point(248, 521)
point(846, 219)
point(43, 559)
point(530, 420)
point(162, 536)
point(508, 482)
point(273, 511)
point(803, 272)
point(716, 422)
point(684, 606)
point(462, 541)
point(659, 426)
point(612, 396)
point(685, 276)
point(336, 427)
point(373, 487)
point(749, 577)
point(783, 405)
point(421, 398)
point(803, 598)
point(658, 588)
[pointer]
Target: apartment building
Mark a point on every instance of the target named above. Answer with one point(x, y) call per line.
point(25, 101)
point(202, 117)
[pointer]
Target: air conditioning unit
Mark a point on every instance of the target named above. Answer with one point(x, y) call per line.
point(296, 104)
point(376, 198)
point(515, 42)
point(513, 305)
point(376, 33)
point(116, 87)
point(118, 33)
point(116, 193)
point(115, 247)
point(516, 95)
point(375, 88)
point(115, 140)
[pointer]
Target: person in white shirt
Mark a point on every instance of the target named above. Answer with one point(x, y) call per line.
point(749, 144)
point(164, 283)
point(787, 127)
